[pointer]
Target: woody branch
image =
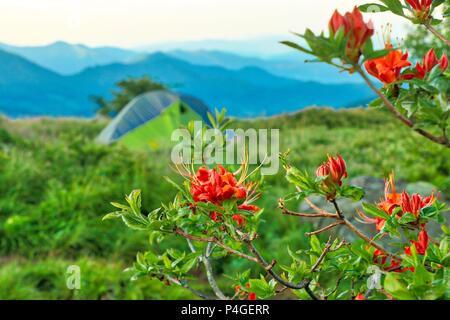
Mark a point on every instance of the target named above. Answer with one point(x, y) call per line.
point(443, 140)
point(341, 220)
point(257, 258)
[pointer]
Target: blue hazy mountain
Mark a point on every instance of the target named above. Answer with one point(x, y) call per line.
point(245, 92)
point(268, 54)
point(264, 46)
point(28, 89)
point(288, 65)
point(65, 58)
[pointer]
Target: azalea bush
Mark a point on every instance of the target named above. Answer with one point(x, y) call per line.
point(417, 93)
point(215, 210)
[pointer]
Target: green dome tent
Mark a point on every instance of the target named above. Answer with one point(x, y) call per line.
point(149, 119)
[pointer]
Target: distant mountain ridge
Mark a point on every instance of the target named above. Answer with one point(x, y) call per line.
point(66, 59)
point(69, 59)
point(248, 92)
point(291, 65)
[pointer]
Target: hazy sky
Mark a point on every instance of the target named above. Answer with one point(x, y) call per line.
point(130, 23)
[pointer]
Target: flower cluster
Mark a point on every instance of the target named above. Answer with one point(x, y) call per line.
point(218, 185)
point(215, 186)
point(357, 31)
point(388, 69)
point(400, 205)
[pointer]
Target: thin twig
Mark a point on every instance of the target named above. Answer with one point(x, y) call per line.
point(316, 265)
point(184, 284)
point(440, 140)
point(305, 215)
point(269, 270)
point(322, 256)
point(356, 231)
point(437, 34)
point(217, 242)
point(339, 222)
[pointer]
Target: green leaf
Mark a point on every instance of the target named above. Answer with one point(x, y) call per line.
point(375, 211)
point(315, 244)
point(407, 218)
point(395, 6)
point(296, 47)
point(377, 103)
point(376, 54)
point(373, 8)
point(300, 179)
point(112, 215)
point(397, 287)
point(135, 222)
point(437, 3)
point(354, 193)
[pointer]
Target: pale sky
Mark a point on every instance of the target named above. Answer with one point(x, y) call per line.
point(131, 23)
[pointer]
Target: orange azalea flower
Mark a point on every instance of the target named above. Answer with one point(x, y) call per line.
point(388, 69)
point(357, 31)
point(421, 245)
point(215, 186)
point(393, 200)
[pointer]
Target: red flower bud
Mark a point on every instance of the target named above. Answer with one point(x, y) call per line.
point(336, 22)
point(421, 8)
point(415, 203)
point(252, 296)
point(443, 63)
point(357, 31)
point(429, 62)
point(421, 245)
point(334, 168)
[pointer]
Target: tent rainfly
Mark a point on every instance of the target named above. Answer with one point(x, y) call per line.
point(149, 119)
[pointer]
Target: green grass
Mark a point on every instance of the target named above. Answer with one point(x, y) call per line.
point(56, 184)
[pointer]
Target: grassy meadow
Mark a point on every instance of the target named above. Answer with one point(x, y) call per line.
point(56, 184)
